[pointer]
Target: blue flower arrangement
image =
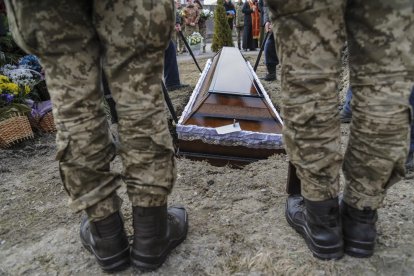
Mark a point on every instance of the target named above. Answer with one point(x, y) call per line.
point(30, 62)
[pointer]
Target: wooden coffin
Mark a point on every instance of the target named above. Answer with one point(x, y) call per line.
point(229, 93)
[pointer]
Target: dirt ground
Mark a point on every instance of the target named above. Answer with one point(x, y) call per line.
point(236, 216)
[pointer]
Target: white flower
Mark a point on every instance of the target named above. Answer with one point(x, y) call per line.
point(206, 13)
point(21, 76)
point(195, 38)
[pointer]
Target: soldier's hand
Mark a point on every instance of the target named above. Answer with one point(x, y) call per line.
point(268, 27)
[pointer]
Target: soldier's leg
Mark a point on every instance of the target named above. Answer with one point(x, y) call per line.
point(62, 35)
point(189, 30)
point(69, 52)
point(239, 31)
point(382, 76)
point(181, 47)
point(203, 32)
point(134, 64)
point(381, 35)
point(309, 38)
point(309, 52)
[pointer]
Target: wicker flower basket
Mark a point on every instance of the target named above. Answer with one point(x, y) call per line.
point(46, 123)
point(14, 129)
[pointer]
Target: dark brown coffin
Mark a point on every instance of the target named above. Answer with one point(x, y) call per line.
point(229, 92)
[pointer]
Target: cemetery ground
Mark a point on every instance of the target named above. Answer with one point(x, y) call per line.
point(236, 216)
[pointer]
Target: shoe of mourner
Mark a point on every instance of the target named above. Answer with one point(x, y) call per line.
point(345, 117)
point(157, 231)
point(359, 230)
point(176, 87)
point(106, 239)
point(318, 222)
point(269, 77)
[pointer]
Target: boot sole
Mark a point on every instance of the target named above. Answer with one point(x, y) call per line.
point(118, 262)
point(155, 262)
point(321, 252)
point(359, 249)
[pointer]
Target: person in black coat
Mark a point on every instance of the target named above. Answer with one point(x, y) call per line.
point(171, 73)
point(248, 42)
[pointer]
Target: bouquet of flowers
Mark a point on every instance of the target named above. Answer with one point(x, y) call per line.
point(206, 14)
point(195, 39)
point(14, 124)
point(21, 75)
point(29, 72)
point(16, 82)
point(12, 97)
point(31, 62)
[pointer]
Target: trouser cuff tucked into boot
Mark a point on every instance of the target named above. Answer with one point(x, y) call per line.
point(104, 208)
point(148, 200)
point(362, 201)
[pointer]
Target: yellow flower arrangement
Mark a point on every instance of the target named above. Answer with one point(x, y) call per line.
point(3, 78)
point(12, 97)
point(9, 87)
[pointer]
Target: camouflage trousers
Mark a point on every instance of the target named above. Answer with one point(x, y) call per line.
point(380, 34)
point(71, 37)
point(203, 32)
point(178, 40)
point(189, 30)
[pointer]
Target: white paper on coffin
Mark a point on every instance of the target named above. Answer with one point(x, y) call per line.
point(228, 128)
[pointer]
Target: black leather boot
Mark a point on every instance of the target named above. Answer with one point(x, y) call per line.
point(319, 224)
point(106, 239)
point(359, 230)
point(157, 231)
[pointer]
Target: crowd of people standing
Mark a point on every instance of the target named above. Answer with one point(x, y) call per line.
point(246, 17)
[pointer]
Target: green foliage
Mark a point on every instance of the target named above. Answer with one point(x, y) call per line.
point(39, 92)
point(222, 33)
point(9, 51)
point(13, 109)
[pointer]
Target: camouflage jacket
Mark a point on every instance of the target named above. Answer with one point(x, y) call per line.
point(239, 21)
point(191, 14)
